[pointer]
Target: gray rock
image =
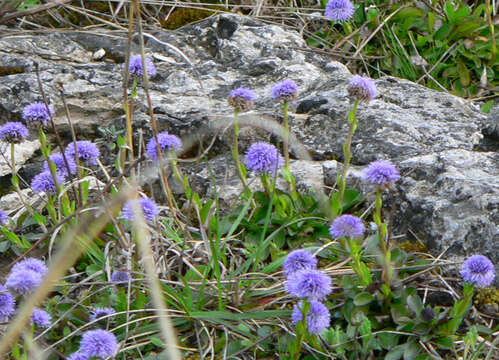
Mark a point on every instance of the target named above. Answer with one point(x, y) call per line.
point(444, 146)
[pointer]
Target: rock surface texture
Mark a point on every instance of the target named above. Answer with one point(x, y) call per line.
point(446, 149)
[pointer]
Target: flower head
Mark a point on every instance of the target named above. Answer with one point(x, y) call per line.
point(299, 260)
point(348, 226)
point(427, 314)
point(41, 318)
point(312, 284)
point(23, 282)
point(60, 164)
point(4, 218)
point(78, 356)
point(478, 270)
point(242, 98)
point(120, 276)
point(13, 132)
point(339, 10)
point(318, 316)
point(7, 304)
point(100, 312)
point(285, 90)
point(38, 112)
point(167, 142)
point(30, 264)
point(45, 182)
point(88, 152)
point(98, 343)
point(263, 158)
point(135, 66)
point(149, 209)
point(381, 172)
point(362, 88)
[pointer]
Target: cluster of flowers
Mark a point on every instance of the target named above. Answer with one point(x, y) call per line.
point(24, 278)
point(305, 282)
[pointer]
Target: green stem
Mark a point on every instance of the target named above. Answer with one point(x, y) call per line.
point(235, 149)
point(492, 34)
point(352, 120)
point(286, 134)
point(387, 270)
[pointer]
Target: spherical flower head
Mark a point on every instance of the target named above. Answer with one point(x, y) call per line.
point(242, 99)
point(149, 209)
point(427, 314)
point(285, 90)
point(60, 164)
point(98, 343)
point(478, 270)
point(38, 112)
point(13, 132)
point(120, 276)
point(381, 173)
point(78, 356)
point(312, 284)
point(45, 182)
point(362, 88)
point(7, 304)
point(30, 264)
point(339, 10)
point(167, 142)
point(88, 152)
point(4, 218)
point(23, 282)
point(135, 66)
point(318, 317)
point(348, 226)
point(100, 312)
point(41, 318)
point(263, 158)
point(299, 260)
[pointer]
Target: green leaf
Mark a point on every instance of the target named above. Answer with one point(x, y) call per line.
point(445, 342)
point(487, 106)
point(466, 29)
point(388, 340)
point(443, 32)
point(412, 350)
point(362, 299)
point(157, 341)
point(464, 73)
point(449, 11)
point(396, 353)
point(414, 303)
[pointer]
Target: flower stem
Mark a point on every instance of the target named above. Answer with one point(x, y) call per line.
point(235, 149)
point(286, 134)
point(387, 270)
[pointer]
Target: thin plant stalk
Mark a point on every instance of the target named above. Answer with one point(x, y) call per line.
point(285, 107)
point(235, 149)
point(385, 249)
point(347, 151)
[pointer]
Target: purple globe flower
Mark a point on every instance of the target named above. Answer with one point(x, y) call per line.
point(13, 132)
point(4, 218)
point(299, 260)
point(285, 90)
point(381, 172)
point(88, 152)
point(41, 318)
point(167, 142)
point(100, 312)
point(7, 304)
point(312, 284)
point(263, 158)
point(23, 282)
point(339, 10)
point(38, 112)
point(120, 276)
point(45, 182)
point(78, 356)
point(362, 88)
point(60, 164)
point(135, 66)
point(478, 270)
point(242, 99)
point(149, 209)
point(348, 226)
point(318, 316)
point(98, 343)
point(30, 264)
